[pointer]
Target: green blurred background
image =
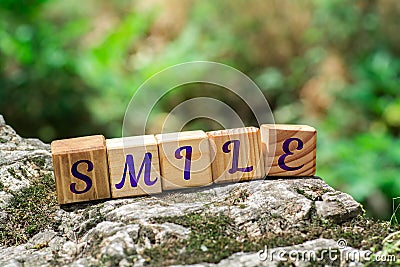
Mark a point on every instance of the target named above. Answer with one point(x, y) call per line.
point(69, 68)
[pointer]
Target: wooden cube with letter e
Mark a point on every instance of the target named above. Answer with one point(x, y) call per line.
point(184, 159)
point(80, 169)
point(238, 155)
point(133, 166)
point(289, 150)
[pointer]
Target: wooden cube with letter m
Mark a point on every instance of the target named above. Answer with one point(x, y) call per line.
point(80, 169)
point(133, 166)
point(289, 150)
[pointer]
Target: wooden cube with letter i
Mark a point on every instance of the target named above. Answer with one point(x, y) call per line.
point(184, 159)
point(80, 169)
point(290, 150)
point(238, 155)
point(133, 166)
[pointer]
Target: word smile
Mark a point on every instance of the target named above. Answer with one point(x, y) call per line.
point(91, 167)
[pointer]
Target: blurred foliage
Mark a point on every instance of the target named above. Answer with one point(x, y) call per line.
point(70, 68)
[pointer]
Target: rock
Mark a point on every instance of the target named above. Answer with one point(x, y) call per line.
point(13, 263)
point(20, 160)
point(338, 207)
point(4, 200)
point(41, 239)
point(140, 231)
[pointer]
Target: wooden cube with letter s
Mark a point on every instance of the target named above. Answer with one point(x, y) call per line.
point(289, 150)
point(80, 169)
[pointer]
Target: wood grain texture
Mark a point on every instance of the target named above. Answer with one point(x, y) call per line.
point(250, 155)
point(173, 168)
point(139, 147)
point(80, 152)
point(299, 159)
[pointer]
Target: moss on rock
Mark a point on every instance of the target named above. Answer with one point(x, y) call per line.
point(30, 211)
point(215, 237)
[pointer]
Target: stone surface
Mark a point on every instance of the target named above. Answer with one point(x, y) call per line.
point(337, 206)
point(19, 159)
point(117, 232)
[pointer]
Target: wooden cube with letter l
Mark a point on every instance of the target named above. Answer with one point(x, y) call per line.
point(290, 150)
point(133, 166)
point(80, 169)
point(184, 159)
point(238, 155)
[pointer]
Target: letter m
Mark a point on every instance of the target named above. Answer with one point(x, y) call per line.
point(133, 178)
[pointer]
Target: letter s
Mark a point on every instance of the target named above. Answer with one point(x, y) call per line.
point(80, 176)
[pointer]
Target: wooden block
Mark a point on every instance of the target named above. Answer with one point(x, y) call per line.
point(295, 149)
point(133, 166)
point(80, 169)
point(238, 155)
point(184, 159)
